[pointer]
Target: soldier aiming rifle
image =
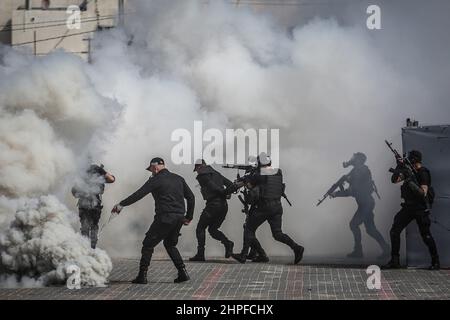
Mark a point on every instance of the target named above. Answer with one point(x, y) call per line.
point(248, 199)
point(360, 186)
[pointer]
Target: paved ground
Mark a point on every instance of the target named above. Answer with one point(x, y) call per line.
point(224, 279)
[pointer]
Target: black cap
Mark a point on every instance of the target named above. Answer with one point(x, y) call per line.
point(155, 161)
point(199, 162)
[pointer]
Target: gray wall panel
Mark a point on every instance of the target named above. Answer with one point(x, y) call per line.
point(434, 143)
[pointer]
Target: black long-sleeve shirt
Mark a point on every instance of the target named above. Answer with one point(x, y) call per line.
point(212, 183)
point(169, 191)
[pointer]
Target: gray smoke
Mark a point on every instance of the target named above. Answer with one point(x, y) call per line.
point(332, 87)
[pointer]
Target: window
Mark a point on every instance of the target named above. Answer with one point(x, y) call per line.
point(45, 4)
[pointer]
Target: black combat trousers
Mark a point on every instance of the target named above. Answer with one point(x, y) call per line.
point(167, 229)
point(89, 219)
point(271, 212)
point(402, 219)
point(212, 218)
point(255, 246)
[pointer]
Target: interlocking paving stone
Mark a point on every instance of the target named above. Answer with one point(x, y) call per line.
point(222, 279)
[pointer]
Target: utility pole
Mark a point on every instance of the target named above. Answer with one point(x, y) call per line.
point(121, 13)
point(34, 43)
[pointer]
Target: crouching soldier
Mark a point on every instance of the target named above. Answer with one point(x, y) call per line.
point(213, 186)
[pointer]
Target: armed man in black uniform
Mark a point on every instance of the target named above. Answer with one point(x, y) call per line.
point(361, 187)
point(213, 186)
point(88, 190)
point(416, 192)
point(169, 191)
point(270, 186)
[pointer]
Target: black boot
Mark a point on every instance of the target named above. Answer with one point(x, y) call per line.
point(239, 257)
point(385, 254)
point(182, 275)
point(229, 245)
point(200, 255)
point(261, 258)
point(298, 252)
point(394, 263)
point(435, 264)
point(356, 253)
point(141, 277)
point(252, 254)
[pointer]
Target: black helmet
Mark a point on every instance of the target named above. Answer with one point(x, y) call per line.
point(415, 156)
point(199, 163)
point(264, 159)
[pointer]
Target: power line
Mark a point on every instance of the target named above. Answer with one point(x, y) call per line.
point(94, 19)
point(8, 27)
point(278, 3)
point(50, 21)
point(52, 38)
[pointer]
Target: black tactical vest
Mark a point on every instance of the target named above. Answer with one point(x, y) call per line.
point(272, 189)
point(411, 199)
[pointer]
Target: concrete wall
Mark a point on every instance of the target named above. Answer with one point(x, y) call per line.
point(6, 9)
point(34, 28)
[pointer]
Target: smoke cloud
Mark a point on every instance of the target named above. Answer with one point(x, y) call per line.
point(49, 115)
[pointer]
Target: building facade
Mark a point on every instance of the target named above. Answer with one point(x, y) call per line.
point(43, 26)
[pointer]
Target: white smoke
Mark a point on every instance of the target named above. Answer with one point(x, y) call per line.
point(49, 115)
point(41, 244)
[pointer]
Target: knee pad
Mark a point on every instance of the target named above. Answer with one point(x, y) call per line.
point(394, 233)
point(278, 235)
point(147, 241)
point(213, 231)
point(146, 251)
point(169, 243)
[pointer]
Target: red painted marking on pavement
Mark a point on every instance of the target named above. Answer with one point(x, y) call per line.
point(386, 292)
point(209, 283)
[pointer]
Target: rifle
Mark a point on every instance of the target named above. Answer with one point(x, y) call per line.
point(286, 198)
point(403, 161)
point(244, 203)
point(375, 189)
point(339, 183)
point(248, 168)
point(241, 181)
point(405, 167)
